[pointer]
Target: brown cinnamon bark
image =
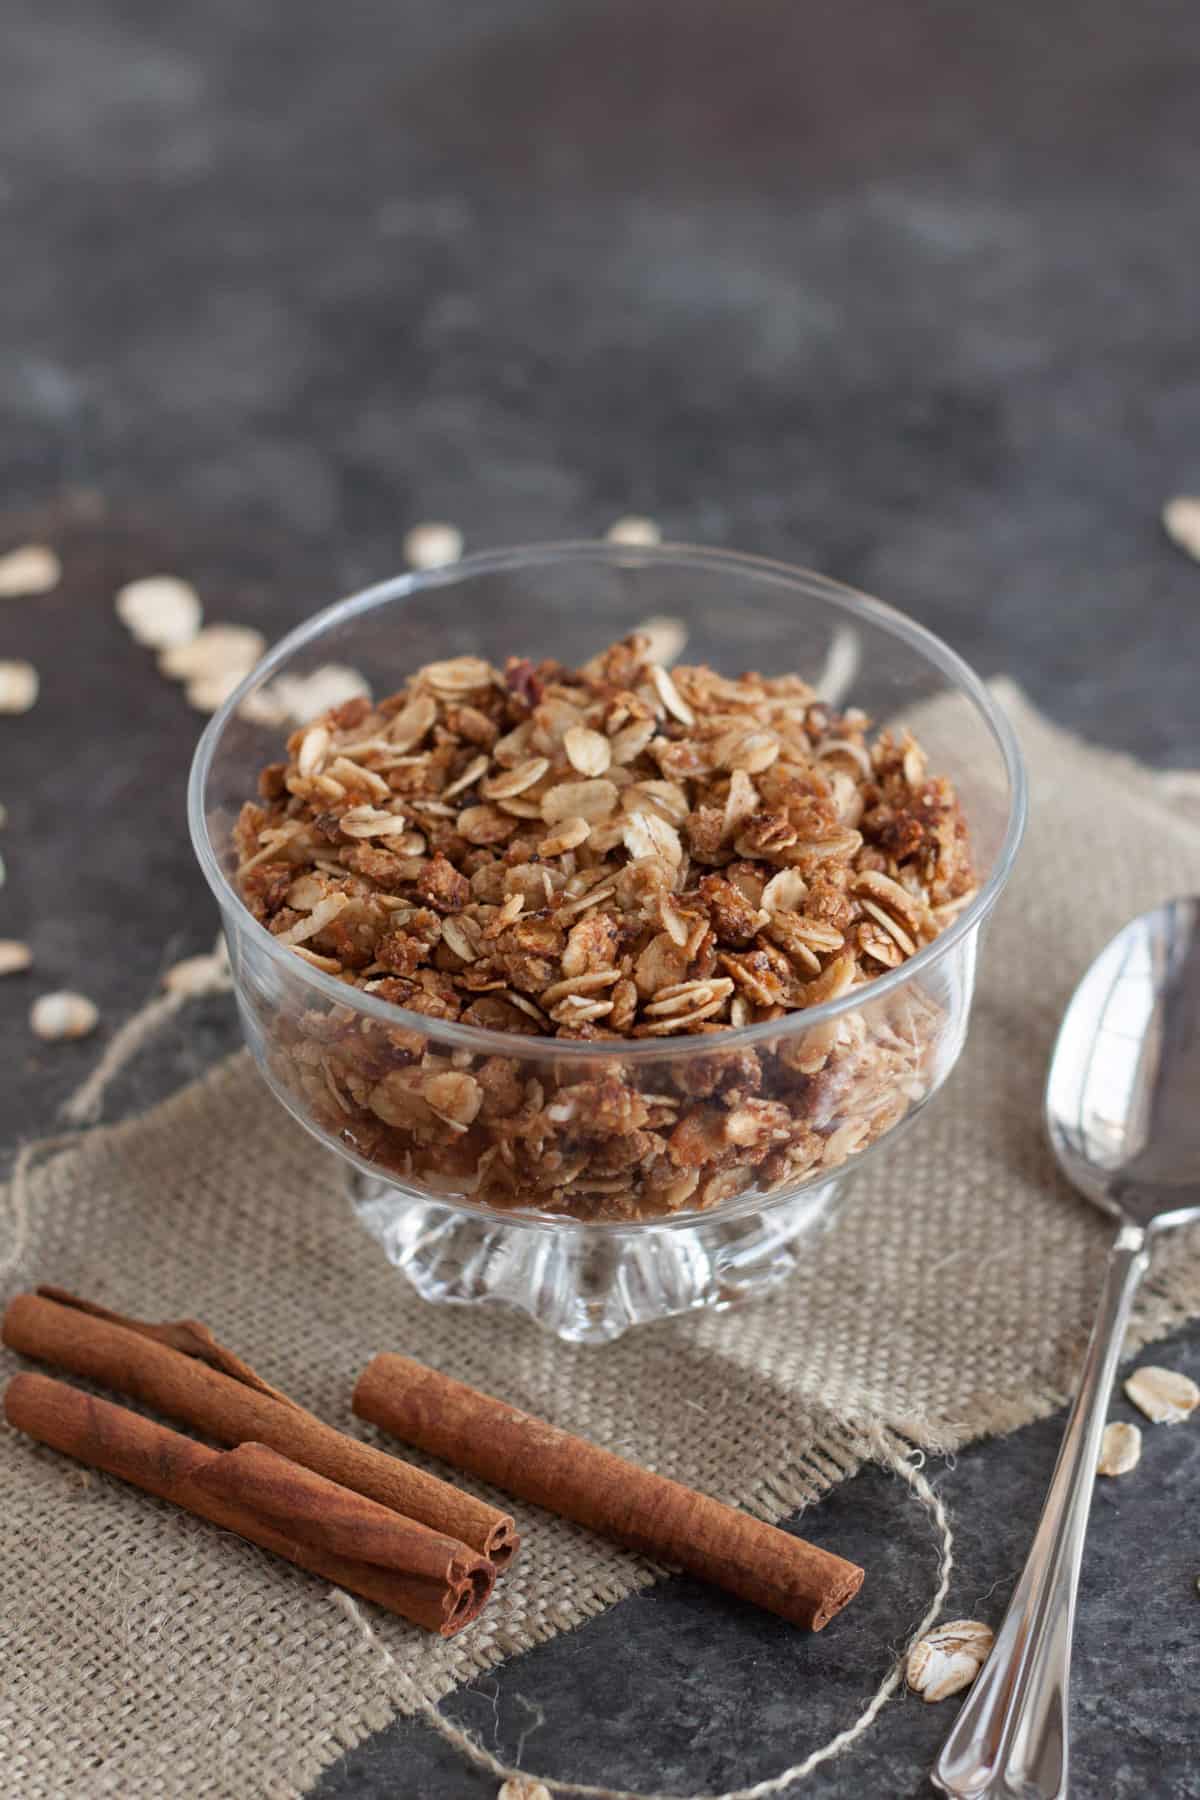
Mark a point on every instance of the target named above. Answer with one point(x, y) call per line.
point(578, 1480)
point(180, 1369)
point(262, 1496)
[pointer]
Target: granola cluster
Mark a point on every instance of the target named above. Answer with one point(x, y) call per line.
point(615, 852)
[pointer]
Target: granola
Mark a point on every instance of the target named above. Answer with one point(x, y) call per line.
point(610, 854)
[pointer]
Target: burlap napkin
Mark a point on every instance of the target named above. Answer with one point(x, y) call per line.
point(145, 1653)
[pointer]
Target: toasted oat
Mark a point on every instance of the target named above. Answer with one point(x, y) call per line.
point(589, 752)
point(1120, 1449)
point(645, 834)
point(786, 893)
point(371, 822)
point(63, 1015)
point(892, 926)
point(1164, 1395)
point(669, 694)
point(571, 833)
point(314, 750)
point(323, 914)
point(160, 611)
point(588, 984)
point(590, 800)
point(834, 749)
point(684, 997)
point(459, 676)
point(477, 767)
point(515, 781)
point(949, 1659)
point(836, 979)
point(521, 1787)
point(455, 1098)
point(1181, 521)
point(630, 741)
point(29, 570)
point(18, 686)
point(14, 956)
point(463, 936)
point(432, 546)
point(328, 964)
point(605, 853)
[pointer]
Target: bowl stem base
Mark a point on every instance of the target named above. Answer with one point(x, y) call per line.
point(588, 1287)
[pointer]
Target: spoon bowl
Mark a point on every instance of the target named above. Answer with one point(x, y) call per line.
point(1122, 1096)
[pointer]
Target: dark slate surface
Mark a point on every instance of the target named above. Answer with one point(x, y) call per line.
point(907, 293)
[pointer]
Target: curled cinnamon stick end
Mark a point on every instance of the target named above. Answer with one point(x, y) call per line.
point(578, 1480)
point(181, 1370)
point(269, 1500)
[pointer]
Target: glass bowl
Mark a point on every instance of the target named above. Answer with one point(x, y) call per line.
point(495, 1164)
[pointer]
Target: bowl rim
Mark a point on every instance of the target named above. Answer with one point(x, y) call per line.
point(485, 1040)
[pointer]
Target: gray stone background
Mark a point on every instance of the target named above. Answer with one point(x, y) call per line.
point(908, 293)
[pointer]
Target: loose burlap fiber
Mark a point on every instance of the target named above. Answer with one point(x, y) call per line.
point(147, 1654)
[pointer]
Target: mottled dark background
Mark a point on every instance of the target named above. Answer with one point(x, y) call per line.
point(908, 292)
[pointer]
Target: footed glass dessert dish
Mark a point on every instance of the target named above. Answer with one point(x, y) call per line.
point(752, 994)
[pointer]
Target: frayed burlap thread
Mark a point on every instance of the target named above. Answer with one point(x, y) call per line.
point(145, 1654)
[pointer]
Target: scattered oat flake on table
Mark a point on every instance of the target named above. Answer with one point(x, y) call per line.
point(668, 639)
point(208, 693)
point(264, 707)
point(196, 975)
point(1120, 1449)
point(18, 686)
point(160, 611)
point(31, 569)
point(518, 1789)
point(637, 534)
point(1163, 1395)
point(949, 1659)
point(1181, 521)
point(63, 1015)
point(432, 546)
point(14, 956)
point(305, 697)
point(215, 651)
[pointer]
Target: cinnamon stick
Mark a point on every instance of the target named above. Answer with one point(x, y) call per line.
point(262, 1496)
point(578, 1480)
point(180, 1369)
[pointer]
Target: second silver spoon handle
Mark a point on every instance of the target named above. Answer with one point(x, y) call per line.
point(1010, 1739)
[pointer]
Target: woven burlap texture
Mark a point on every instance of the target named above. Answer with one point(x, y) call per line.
point(147, 1654)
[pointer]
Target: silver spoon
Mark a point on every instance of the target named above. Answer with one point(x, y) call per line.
point(1123, 1112)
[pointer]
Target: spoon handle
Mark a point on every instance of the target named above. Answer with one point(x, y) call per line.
point(1010, 1739)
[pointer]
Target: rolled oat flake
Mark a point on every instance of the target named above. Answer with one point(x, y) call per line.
point(18, 686)
point(14, 956)
point(432, 545)
point(1164, 1395)
point(63, 1015)
point(31, 569)
point(635, 533)
point(160, 611)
